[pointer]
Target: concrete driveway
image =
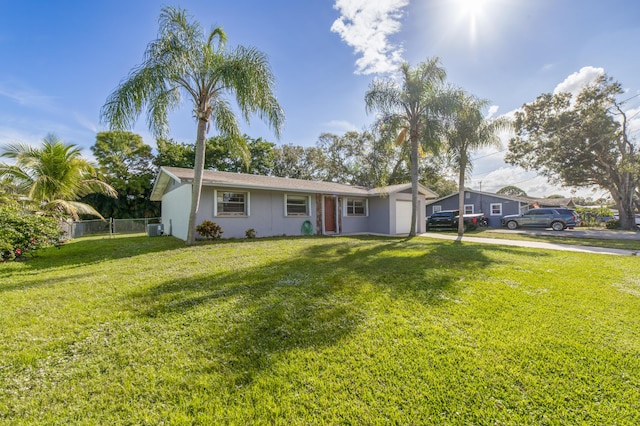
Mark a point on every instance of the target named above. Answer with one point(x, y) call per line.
point(601, 234)
point(585, 233)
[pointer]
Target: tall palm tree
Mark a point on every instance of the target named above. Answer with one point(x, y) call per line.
point(54, 176)
point(469, 131)
point(184, 61)
point(411, 109)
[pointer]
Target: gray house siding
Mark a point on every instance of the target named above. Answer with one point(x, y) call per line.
point(266, 214)
point(482, 203)
point(379, 215)
point(263, 207)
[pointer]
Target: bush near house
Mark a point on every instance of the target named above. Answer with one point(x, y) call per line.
point(23, 232)
point(210, 230)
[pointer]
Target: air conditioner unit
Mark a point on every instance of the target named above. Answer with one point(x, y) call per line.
point(155, 229)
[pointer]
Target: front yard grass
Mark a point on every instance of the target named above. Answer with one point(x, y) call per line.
point(349, 330)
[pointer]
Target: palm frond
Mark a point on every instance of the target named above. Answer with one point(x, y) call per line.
point(72, 208)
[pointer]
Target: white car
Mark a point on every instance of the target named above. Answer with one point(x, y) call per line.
point(616, 217)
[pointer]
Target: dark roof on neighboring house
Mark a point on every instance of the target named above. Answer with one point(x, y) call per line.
point(243, 180)
point(532, 202)
point(548, 202)
point(488, 194)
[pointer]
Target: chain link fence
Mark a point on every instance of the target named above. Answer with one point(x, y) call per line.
point(110, 226)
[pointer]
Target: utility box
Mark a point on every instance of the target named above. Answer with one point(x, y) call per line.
point(155, 229)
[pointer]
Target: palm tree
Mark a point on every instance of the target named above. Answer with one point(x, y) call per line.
point(54, 176)
point(411, 110)
point(184, 61)
point(469, 131)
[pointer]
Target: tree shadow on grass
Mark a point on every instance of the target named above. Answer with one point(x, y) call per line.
point(70, 257)
point(312, 300)
point(87, 251)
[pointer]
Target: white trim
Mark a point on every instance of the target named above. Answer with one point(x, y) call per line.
point(465, 209)
point(491, 209)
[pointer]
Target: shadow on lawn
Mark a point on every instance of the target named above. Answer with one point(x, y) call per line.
point(86, 251)
point(312, 300)
point(77, 254)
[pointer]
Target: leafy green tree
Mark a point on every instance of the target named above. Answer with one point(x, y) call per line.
point(512, 190)
point(218, 156)
point(175, 154)
point(412, 108)
point(183, 60)
point(299, 162)
point(388, 164)
point(433, 177)
point(126, 163)
point(469, 131)
point(581, 141)
point(54, 176)
point(347, 157)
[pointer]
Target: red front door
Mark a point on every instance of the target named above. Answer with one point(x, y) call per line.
point(329, 214)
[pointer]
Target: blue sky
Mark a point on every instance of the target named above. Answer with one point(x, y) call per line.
point(60, 60)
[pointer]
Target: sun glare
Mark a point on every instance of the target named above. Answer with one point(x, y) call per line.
point(471, 8)
point(472, 12)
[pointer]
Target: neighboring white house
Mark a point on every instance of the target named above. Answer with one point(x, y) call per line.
point(283, 206)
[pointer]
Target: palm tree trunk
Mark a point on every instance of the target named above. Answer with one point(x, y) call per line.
point(414, 184)
point(198, 170)
point(461, 200)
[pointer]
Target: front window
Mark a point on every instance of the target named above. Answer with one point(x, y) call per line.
point(436, 209)
point(468, 209)
point(496, 209)
point(356, 207)
point(296, 205)
point(232, 203)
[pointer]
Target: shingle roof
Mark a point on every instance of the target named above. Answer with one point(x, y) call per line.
point(490, 194)
point(549, 202)
point(243, 180)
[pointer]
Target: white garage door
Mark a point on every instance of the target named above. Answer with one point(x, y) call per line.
point(403, 217)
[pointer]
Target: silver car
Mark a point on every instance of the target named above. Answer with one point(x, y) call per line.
point(554, 218)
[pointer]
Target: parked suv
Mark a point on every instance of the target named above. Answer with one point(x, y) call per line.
point(554, 218)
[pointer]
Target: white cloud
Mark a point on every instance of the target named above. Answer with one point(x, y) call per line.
point(340, 126)
point(547, 67)
point(633, 117)
point(26, 96)
point(578, 80)
point(366, 26)
point(492, 110)
point(11, 135)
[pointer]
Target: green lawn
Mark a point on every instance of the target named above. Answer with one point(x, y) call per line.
point(361, 330)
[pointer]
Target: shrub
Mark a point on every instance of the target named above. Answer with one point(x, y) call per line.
point(593, 216)
point(250, 233)
point(23, 232)
point(208, 229)
point(613, 224)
